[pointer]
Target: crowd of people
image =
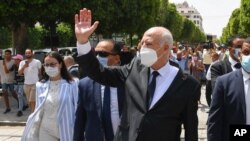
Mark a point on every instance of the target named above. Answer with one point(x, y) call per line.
point(108, 93)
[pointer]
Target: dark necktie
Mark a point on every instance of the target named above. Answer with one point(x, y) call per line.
point(237, 65)
point(151, 88)
point(106, 116)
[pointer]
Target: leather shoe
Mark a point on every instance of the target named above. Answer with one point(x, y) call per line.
point(19, 113)
point(25, 107)
point(7, 111)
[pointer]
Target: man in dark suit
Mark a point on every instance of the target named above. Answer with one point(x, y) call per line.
point(231, 99)
point(159, 98)
point(91, 122)
point(231, 62)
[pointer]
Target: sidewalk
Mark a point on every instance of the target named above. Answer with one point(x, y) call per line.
point(10, 129)
point(10, 119)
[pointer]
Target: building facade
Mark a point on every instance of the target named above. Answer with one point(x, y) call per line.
point(191, 13)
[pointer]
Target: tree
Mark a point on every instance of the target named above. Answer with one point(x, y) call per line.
point(65, 33)
point(232, 27)
point(174, 21)
point(245, 18)
point(35, 37)
point(5, 38)
point(18, 15)
point(187, 31)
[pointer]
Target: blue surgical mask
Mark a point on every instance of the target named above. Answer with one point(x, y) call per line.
point(245, 63)
point(103, 60)
point(236, 52)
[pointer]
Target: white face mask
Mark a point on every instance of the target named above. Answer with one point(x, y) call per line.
point(52, 71)
point(148, 56)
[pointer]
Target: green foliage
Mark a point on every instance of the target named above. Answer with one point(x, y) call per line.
point(188, 30)
point(238, 23)
point(174, 21)
point(232, 27)
point(5, 38)
point(245, 18)
point(162, 13)
point(65, 33)
point(35, 37)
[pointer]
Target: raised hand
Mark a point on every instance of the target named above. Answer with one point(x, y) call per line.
point(83, 27)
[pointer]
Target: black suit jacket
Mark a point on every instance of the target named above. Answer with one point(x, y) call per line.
point(163, 121)
point(220, 68)
point(88, 124)
point(227, 106)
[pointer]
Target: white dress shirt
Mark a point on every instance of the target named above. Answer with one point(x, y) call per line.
point(163, 81)
point(246, 80)
point(114, 107)
point(208, 76)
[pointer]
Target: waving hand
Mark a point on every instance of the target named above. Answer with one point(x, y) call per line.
point(83, 27)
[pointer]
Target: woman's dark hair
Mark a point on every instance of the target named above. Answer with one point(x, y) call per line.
point(64, 72)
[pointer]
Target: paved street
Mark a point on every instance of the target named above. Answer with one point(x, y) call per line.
point(11, 127)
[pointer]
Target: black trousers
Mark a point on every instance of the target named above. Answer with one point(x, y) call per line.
point(208, 92)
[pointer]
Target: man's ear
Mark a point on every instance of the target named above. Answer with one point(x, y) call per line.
point(166, 47)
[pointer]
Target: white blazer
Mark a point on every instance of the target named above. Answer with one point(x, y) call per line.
point(68, 97)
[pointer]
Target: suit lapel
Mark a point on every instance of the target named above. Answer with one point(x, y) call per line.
point(144, 87)
point(239, 80)
point(228, 66)
point(177, 82)
point(97, 98)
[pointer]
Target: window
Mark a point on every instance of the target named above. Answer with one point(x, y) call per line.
point(182, 11)
point(195, 21)
point(198, 22)
point(194, 16)
point(187, 16)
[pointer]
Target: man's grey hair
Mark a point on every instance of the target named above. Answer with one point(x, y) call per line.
point(166, 38)
point(70, 59)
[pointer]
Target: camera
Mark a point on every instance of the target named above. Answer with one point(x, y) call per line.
point(208, 45)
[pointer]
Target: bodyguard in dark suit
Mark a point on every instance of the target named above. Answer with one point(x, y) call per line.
point(98, 114)
point(231, 99)
point(159, 98)
point(231, 62)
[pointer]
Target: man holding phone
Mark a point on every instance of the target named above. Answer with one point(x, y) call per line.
point(31, 69)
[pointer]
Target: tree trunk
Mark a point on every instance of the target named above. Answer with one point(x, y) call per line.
point(19, 38)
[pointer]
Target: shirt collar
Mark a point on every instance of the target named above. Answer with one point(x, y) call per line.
point(163, 70)
point(246, 76)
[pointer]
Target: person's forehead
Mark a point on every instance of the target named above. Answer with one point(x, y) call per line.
point(150, 38)
point(238, 41)
point(50, 59)
point(104, 46)
point(246, 46)
point(28, 51)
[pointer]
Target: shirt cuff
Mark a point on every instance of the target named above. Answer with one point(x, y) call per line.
point(83, 49)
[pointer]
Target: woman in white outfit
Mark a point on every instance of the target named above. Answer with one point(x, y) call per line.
point(56, 102)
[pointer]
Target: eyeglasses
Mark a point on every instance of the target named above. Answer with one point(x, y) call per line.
point(104, 54)
point(50, 64)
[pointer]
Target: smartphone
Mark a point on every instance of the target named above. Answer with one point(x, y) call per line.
point(26, 62)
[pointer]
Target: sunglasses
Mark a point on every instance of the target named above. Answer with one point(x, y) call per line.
point(104, 54)
point(50, 64)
